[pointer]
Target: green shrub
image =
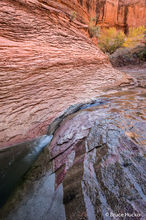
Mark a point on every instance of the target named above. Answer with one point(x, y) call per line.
point(94, 31)
point(73, 15)
point(93, 28)
point(110, 40)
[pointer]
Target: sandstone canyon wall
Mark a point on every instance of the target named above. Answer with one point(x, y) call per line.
point(47, 63)
point(118, 13)
point(124, 13)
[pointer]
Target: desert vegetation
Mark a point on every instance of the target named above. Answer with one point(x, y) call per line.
point(73, 16)
point(123, 49)
point(111, 39)
point(93, 29)
point(135, 37)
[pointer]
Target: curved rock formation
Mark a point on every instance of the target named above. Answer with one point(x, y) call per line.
point(93, 169)
point(46, 64)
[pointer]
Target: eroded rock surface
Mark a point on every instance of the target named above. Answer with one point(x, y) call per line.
point(47, 62)
point(94, 168)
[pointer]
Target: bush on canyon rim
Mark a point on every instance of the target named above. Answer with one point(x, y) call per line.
point(73, 15)
point(135, 37)
point(93, 29)
point(110, 40)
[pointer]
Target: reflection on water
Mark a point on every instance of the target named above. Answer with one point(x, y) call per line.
point(113, 164)
point(131, 106)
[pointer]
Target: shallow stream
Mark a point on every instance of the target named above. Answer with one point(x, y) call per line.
point(94, 167)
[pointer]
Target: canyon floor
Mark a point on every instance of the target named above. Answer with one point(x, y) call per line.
point(93, 166)
point(72, 127)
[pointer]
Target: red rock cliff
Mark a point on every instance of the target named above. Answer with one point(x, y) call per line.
point(119, 13)
point(46, 64)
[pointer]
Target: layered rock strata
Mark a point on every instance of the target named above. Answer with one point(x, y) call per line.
point(47, 62)
point(94, 168)
point(119, 13)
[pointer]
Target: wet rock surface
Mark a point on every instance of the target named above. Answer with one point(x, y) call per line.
point(94, 167)
point(15, 161)
point(138, 72)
